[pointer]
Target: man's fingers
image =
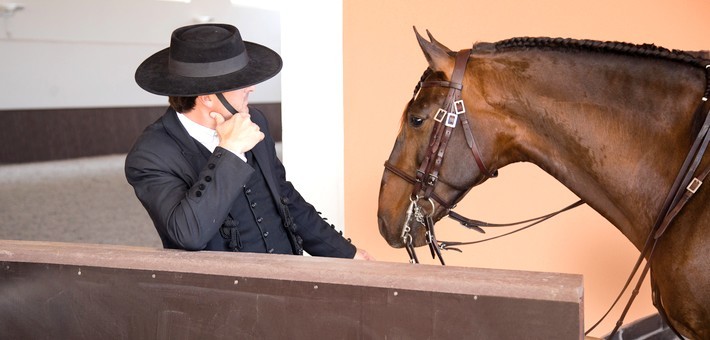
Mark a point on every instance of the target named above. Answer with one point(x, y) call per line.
point(362, 254)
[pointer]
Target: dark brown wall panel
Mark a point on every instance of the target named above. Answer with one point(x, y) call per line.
point(53, 134)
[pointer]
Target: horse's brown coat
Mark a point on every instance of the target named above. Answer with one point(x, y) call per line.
point(612, 127)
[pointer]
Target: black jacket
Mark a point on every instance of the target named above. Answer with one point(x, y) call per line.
point(189, 195)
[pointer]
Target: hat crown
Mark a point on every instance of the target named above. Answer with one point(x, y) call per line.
point(204, 59)
point(206, 43)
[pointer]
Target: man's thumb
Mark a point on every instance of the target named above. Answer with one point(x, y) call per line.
point(217, 117)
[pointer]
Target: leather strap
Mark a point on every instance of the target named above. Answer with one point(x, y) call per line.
point(441, 83)
point(689, 192)
point(226, 103)
point(674, 202)
point(686, 173)
point(412, 180)
point(429, 169)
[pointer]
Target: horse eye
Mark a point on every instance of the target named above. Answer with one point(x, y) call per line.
point(416, 121)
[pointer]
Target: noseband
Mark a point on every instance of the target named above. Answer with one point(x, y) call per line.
point(445, 120)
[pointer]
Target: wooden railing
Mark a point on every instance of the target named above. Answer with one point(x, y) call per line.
point(85, 291)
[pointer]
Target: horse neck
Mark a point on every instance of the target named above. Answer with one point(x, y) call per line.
point(612, 129)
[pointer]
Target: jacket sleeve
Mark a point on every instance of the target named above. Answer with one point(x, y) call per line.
point(187, 208)
point(319, 237)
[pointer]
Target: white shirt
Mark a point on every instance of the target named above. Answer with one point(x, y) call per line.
point(203, 134)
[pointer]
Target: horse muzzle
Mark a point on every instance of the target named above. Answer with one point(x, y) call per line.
point(394, 236)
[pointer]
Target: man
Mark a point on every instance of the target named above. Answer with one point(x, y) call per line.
point(207, 171)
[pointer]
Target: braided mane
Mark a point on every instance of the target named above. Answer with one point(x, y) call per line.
point(644, 50)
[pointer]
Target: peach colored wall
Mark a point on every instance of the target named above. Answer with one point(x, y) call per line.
point(382, 63)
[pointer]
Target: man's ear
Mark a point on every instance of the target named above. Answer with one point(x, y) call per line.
point(205, 100)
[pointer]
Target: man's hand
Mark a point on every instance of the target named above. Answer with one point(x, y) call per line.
point(362, 254)
point(237, 134)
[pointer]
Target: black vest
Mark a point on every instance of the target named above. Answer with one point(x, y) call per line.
point(258, 224)
point(254, 223)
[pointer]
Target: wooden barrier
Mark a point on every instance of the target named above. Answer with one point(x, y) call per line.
point(84, 291)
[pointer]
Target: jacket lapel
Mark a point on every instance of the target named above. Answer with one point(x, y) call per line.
point(188, 145)
point(265, 164)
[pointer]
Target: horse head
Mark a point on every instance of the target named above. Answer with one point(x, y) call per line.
point(618, 124)
point(443, 148)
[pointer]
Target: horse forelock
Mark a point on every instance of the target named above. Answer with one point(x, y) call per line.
point(565, 44)
point(424, 76)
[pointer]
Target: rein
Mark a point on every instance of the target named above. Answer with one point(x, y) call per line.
point(684, 187)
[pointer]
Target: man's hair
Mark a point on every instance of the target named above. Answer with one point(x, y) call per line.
point(182, 104)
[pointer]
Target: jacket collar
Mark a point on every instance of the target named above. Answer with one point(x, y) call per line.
point(188, 145)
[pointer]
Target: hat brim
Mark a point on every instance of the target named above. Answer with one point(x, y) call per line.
point(153, 76)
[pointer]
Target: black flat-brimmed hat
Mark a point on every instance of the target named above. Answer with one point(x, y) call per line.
point(206, 59)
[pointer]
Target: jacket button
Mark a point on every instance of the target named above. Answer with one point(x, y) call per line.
point(266, 234)
point(247, 191)
point(258, 220)
point(208, 178)
point(201, 186)
point(210, 166)
point(198, 193)
point(271, 250)
point(253, 205)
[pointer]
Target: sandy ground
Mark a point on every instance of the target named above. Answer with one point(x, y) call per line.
point(82, 200)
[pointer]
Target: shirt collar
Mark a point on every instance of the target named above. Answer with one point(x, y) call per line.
point(206, 136)
point(203, 134)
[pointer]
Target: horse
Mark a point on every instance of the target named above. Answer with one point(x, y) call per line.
point(623, 126)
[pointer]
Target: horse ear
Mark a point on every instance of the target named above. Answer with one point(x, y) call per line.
point(437, 43)
point(436, 53)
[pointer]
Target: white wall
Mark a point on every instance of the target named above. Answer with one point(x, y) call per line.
point(312, 102)
point(83, 53)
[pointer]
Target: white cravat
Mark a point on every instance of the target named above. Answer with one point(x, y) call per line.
point(203, 134)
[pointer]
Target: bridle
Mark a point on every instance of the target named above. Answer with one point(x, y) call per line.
point(445, 121)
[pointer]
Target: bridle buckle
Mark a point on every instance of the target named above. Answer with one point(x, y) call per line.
point(439, 116)
point(451, 119)
point(431, 179)
point(694, 185)
point(459, 107)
